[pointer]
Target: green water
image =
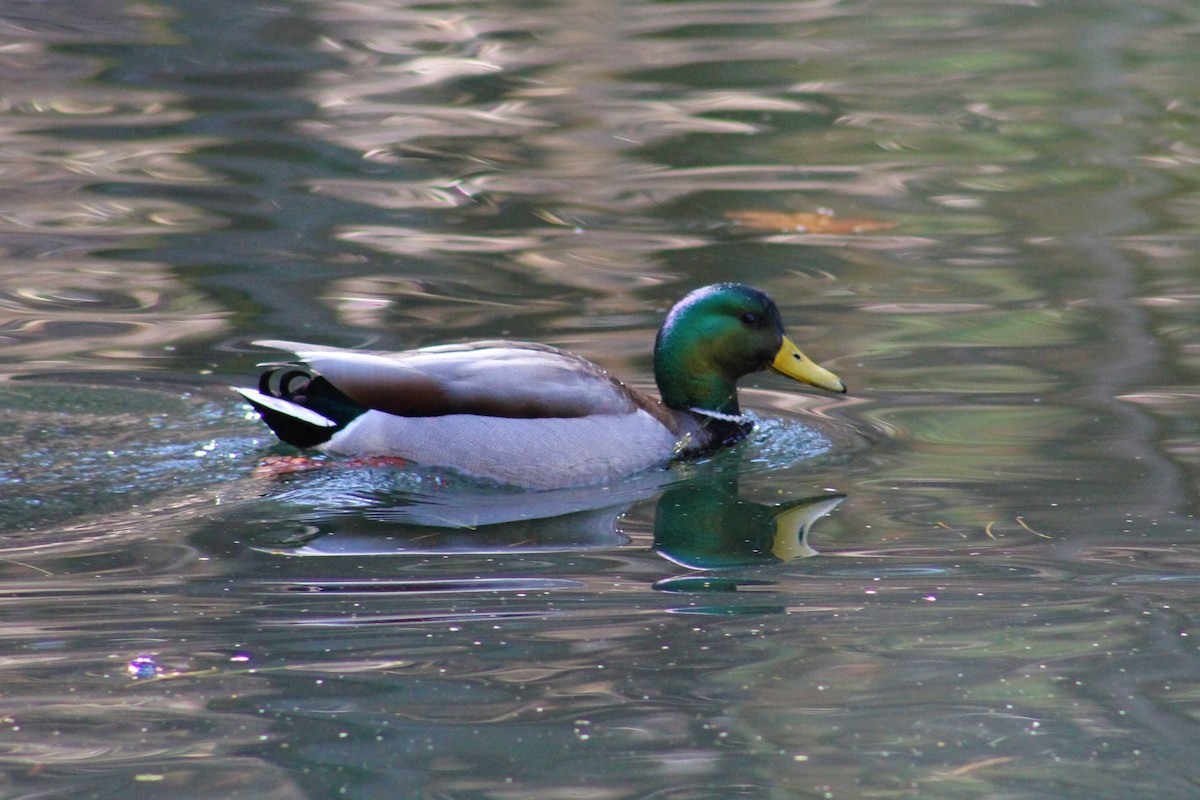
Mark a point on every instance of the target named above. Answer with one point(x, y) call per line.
point(1002, 605)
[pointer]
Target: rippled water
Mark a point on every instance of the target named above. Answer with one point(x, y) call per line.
point(981, 215)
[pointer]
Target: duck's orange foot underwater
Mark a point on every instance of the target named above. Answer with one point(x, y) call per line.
point(273, 466)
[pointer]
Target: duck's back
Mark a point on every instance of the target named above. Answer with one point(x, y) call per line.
point(489, 378)
point(519, 413)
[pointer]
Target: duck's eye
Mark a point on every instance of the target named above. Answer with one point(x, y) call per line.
point(750, 318)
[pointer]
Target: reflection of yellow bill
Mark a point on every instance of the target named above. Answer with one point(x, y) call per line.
point(791, 362)
point(793, 524)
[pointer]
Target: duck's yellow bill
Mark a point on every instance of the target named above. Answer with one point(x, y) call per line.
point(791, 362)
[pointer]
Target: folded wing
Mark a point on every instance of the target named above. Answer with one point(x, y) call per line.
point(495, 378)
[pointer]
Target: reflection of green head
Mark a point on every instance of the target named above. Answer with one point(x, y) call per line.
point(703, 524)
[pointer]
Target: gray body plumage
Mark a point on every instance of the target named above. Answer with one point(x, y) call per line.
point(522, 414)
point(536, 453)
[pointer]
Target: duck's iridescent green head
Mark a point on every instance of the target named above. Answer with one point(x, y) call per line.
point(716, 335)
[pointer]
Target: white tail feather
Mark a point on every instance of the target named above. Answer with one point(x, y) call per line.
point(285, 407)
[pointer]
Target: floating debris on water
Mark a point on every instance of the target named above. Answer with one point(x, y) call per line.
point(143, 667)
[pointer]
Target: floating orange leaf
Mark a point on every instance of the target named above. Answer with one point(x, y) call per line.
point(967, 769)
point(821, 221)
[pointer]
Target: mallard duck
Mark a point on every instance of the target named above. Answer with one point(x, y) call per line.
point(532, 415)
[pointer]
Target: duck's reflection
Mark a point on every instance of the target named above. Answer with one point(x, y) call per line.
point(462, 517)
point(701, 522)
point(705, 525)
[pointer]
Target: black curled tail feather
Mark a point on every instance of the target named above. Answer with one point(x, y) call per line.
point(301, 386)
point(278, 381)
